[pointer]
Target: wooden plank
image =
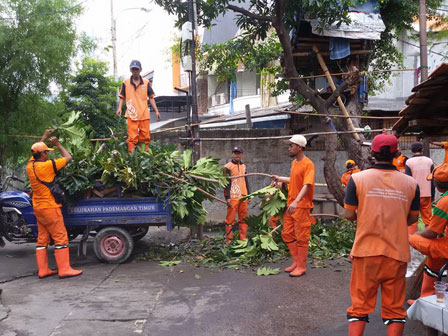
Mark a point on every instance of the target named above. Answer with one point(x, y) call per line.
point(327, 53)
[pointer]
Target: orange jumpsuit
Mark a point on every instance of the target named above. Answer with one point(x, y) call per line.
point(50, 223)
point(435, 249)
point(419, 167)
point(445, 146)
point(137, 112)
point(346, 176)
point(400, 163)
point(235, 190)
point(381, 249)
point(296, 227)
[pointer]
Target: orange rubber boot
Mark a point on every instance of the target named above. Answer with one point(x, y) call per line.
point(42, 264)
point(243, 231)
point(356, 328)
point(395, 329)
point(63, 260)
point(229, 234)
point(302, 259)
point(293, 250)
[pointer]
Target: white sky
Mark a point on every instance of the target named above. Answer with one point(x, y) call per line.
point(145, 36)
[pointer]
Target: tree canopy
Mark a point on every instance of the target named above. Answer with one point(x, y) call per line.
point(37, 42)
point(93, 94)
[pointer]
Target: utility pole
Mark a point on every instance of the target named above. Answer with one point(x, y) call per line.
point(423, 41)
point(423, 58)
point(113, 31)
point(194, 96)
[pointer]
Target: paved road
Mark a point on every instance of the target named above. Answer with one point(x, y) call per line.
point(144, 298)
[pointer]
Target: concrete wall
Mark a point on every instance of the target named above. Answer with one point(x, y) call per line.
point(266, 156)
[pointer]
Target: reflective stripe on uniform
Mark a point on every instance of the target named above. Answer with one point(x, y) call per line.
point(389, 321)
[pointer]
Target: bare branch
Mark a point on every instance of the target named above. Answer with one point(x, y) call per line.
point(247, 13)
point(336, 93)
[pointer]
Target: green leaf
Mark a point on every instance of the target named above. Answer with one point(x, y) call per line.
point(170, 263)
point(267, 271)
point(197, 276)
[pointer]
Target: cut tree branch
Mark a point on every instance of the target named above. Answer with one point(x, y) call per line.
point(197, 188)
point(247, 13)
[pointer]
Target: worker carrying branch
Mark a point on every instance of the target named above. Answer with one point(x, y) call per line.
point(297, 219)
point(383, 201)
point(235, 190)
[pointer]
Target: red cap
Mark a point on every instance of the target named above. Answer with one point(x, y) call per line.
point(385, 140)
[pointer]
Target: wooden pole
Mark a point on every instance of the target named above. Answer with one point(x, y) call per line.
point(333, 87)
point(248, 118)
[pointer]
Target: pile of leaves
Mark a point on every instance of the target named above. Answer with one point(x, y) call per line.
point(160, 171)
point(332, 240)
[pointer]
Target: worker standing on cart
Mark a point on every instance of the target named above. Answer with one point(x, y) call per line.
point(427, 241)
point(235, 190)
point(383, 201)
point(136, 91)
point(50, 223)
point(297, 219)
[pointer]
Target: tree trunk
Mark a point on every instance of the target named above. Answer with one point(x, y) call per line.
point(331, 176)
point(360, 154)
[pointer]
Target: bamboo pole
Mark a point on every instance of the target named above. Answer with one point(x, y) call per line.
point(333, 87)
point(270, 176)
point(289, 136)
point(334, 115)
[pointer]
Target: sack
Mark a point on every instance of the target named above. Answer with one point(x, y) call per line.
point(55, 189)
point(58, 193)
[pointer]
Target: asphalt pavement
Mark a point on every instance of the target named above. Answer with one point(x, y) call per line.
point(145, 298)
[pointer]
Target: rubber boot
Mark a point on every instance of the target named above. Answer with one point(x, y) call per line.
point(243, 231)
point(293, 250)
point(356, 328)
point(42, 264)
point(395, 329)
point(229, 234)
point(302, 259)
point(427, 287)
point(63, 260)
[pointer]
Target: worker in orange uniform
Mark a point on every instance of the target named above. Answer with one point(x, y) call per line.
point(235, 190)
point(443, 145)
point(297, 219)
point(50, 223)
point(427, 241)
point(136, 91)
point(400, 161)
point(419, 167)
point(352, 168)
point(380, 251)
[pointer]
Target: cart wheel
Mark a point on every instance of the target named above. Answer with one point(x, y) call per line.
point(140, 233)
point(113, 245)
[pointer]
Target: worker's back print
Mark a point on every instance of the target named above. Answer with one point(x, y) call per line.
point(420, 167)
point(384, 203)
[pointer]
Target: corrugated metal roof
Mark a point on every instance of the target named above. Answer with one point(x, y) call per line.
point(427, 107)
